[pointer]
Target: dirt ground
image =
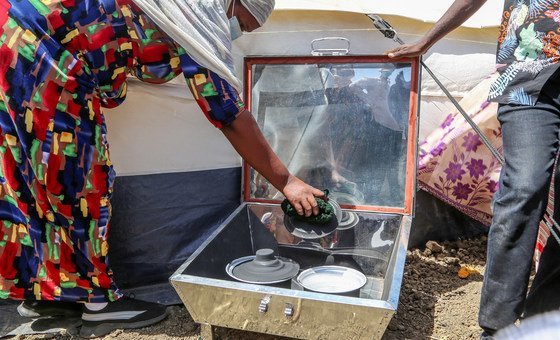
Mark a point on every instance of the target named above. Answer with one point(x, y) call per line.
point(435, 303)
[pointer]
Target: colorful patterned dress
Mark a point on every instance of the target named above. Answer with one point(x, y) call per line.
point(61, 63)
point(527, 53)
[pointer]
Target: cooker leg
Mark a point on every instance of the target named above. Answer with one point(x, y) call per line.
point(207, 332)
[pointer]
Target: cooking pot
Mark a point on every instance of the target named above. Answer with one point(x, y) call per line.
point(324, 234)
point(332, 280)
point(263, 268)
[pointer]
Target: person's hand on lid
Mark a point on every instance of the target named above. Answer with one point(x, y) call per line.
point(302, 196)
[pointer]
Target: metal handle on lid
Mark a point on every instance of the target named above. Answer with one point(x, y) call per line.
point(330, 51)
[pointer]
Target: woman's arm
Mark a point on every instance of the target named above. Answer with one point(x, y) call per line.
point(246, 137)
point(457, 14)
point(222, 106)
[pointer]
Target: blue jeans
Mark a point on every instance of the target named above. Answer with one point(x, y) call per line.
point(531, 140)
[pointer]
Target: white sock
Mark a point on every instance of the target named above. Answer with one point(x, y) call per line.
point(96, 306)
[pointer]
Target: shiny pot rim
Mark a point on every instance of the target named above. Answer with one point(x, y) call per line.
point(334, 279)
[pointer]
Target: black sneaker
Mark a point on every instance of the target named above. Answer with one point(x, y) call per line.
point(125, 313)
point(45, 309)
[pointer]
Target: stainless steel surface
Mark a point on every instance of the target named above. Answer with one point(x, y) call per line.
point(373, 233)
point(349, 220)
point(289, 310)
point(314, 318)
point(315, 50)
point(263, 306)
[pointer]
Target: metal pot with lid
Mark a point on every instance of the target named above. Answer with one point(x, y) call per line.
point(332, 280)
point(262, 268)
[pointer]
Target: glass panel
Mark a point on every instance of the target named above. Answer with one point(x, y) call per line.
point(341, 127)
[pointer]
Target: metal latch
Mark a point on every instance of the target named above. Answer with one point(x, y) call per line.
point(263, 306)
point(383, 26)
point(289, 310)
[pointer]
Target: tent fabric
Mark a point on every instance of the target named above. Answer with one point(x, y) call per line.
point(180, 138)
point(259, 9)
point(159, 220)
point(160, 129)
point(436, 220)
point(488, 16)
point(456, 72)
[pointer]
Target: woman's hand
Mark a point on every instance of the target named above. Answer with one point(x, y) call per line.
point(302, 196)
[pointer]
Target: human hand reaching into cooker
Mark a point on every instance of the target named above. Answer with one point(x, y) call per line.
point(302, 196)
point(247, 139)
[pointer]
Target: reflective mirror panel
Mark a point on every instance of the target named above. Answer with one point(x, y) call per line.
point(338, 126)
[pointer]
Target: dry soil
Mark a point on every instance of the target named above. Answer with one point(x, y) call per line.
point(435, 303)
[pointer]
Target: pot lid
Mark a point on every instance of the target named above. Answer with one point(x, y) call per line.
point(262, 268)
point(331, 279)
point(310, 231)
point(349, 220)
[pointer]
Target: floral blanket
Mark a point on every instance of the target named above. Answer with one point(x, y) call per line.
point(456, 167)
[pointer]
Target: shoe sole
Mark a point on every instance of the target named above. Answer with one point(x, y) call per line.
point(106, 328)
point(29, 313)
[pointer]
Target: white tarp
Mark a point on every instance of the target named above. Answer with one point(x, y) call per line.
point(457, 72)
point(488, 16)
point(160, 128)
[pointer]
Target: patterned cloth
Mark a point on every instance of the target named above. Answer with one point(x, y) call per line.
point(61, 62)
point(527, 50)
point(455, 166)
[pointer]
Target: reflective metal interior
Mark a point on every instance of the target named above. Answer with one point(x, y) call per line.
point(367, 247)
point(338, 126)
point(375, 247)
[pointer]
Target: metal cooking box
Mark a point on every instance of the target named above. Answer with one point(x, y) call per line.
point(346, 123)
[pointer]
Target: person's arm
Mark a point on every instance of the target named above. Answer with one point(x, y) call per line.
point(222, 106)
point(457, 14)
point(247, 139)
